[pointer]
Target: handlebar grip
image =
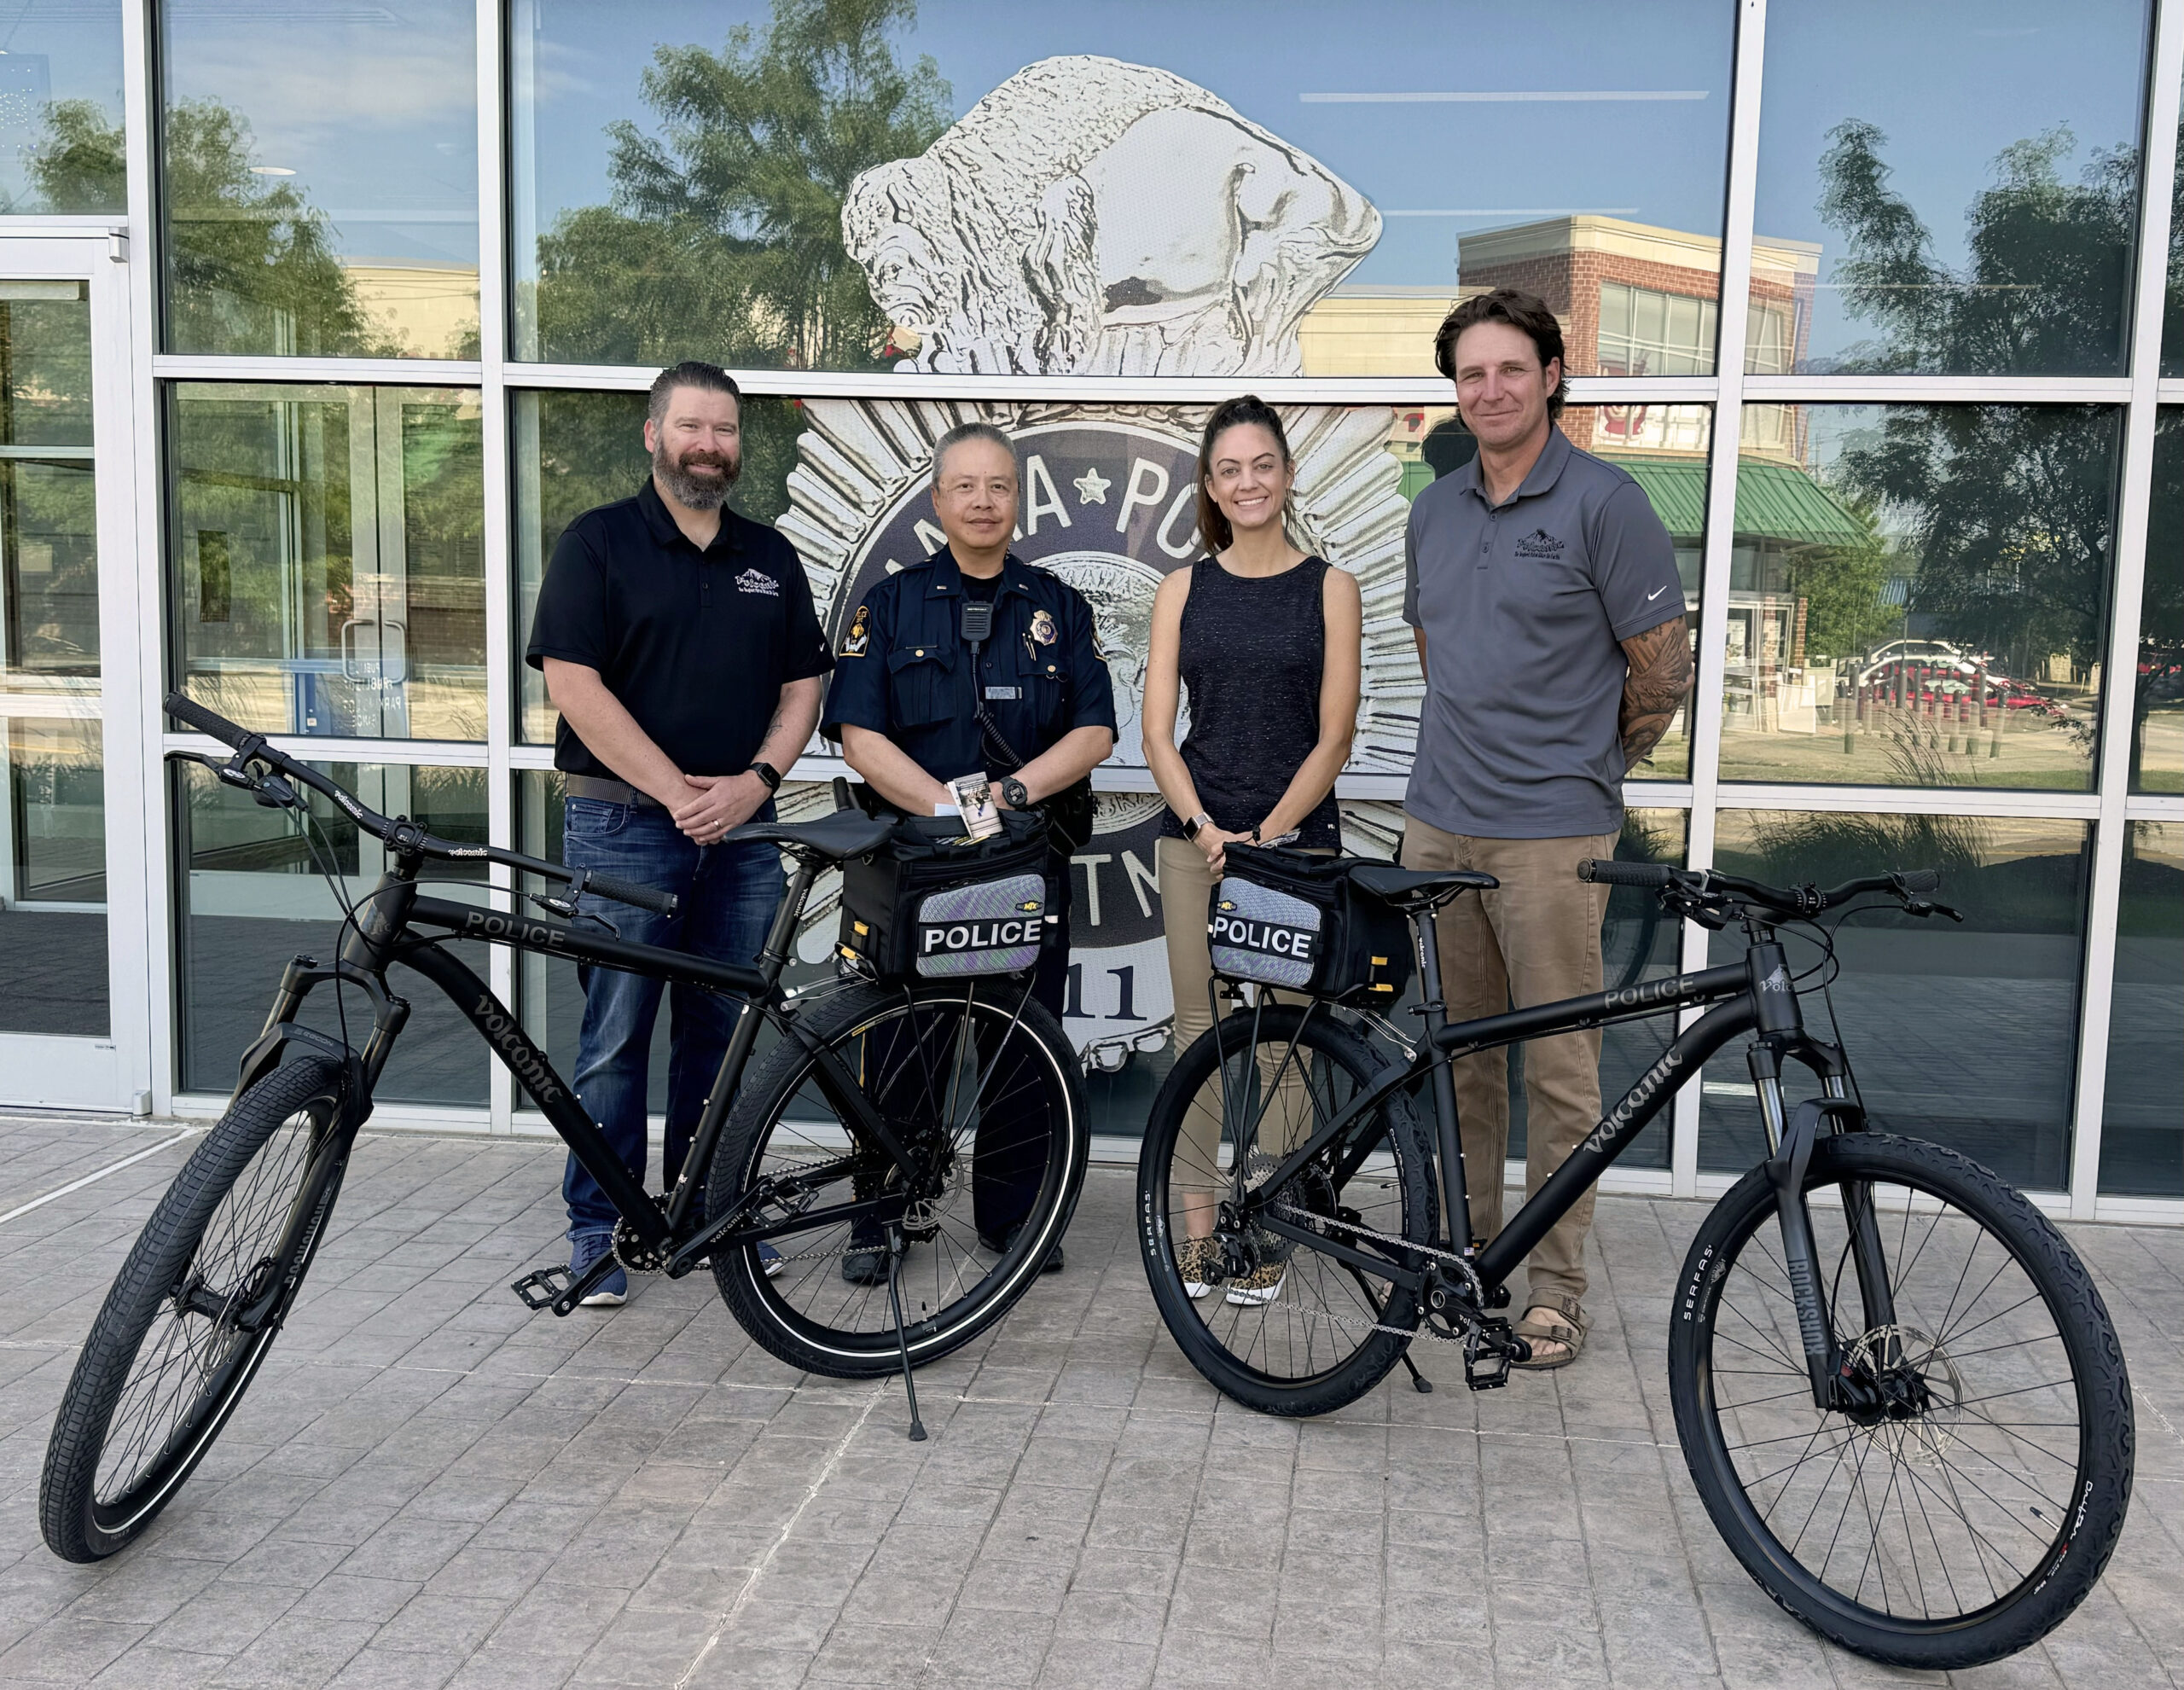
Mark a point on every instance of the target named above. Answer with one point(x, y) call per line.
point(842, 800)
point(183, 708)
point(630, 893)
point(1917, 882)
point(1611, 874)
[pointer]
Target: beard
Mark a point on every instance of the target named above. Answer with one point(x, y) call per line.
point(696, 491)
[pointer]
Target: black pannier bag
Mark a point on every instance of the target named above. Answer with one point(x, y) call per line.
point(926, 905)
point(1287, 918)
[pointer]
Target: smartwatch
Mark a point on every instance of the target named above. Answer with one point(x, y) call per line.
point(769, 774)
point(1197, 822)
point(1016, 793)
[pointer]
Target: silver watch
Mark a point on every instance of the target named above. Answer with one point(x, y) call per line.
point(1197, 822)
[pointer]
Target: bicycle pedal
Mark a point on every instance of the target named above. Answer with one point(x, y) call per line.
point(540, 1290)
point(1490, 1353)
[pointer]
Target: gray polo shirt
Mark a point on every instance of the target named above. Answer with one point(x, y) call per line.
point(1523, 605)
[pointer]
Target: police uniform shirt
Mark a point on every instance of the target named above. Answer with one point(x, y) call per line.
point(695, 645)
point(902, 668)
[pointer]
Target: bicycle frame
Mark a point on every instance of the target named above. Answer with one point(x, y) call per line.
point(1755, 994)
point(385, 932)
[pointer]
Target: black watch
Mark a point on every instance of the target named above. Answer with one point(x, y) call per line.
point(1015, 794)
point(769, 774)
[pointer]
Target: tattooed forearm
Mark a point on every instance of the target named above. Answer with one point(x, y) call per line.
point(1654, 690)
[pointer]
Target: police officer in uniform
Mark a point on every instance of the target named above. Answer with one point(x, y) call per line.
point(1036, 716)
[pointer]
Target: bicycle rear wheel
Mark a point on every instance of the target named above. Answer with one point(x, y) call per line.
point(1280, 1326)
point(192, 1314)
point(1970, 1501)
point(982, 1088)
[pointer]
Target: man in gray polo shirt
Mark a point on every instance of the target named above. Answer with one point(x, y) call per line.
point(1543, 592)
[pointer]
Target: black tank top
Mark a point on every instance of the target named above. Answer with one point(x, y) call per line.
point(1250, 656)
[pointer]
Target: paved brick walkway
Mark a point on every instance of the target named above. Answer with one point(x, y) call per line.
point(430, 1487)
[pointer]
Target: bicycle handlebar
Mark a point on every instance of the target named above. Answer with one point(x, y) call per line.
point(1913, 886)
point(405, 835)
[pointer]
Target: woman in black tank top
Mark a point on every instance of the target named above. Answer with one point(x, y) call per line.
point(1265, 643)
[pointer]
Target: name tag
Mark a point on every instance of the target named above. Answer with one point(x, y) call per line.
point(993, 693)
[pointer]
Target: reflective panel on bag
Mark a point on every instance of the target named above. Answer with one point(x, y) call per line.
point(1257, 933)
point(991, 928)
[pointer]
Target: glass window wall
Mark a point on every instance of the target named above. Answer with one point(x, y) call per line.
point(1962, 200)
point(2157, 722)
point(1966, 1034)
point(53, 931)
point(1919, 597)
point(320, 179)
point(61, 121)
point(252, 898)
point(2142, 1133)
point(327, 554)
point(1244, 193)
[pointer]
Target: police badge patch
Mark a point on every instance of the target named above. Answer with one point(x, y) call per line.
point(1043, 628)
point(859, 636)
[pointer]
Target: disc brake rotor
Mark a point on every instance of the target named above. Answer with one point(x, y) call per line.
point(1922, 1390)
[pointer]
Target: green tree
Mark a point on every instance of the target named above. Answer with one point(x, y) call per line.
point(251, 265)
point(2009, 508)
point(2046, 283)
point(724, 237)
point(1843, 586)
point(78, 165)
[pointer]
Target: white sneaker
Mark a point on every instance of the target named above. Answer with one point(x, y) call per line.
point(1193, 1261)
point(1261, 1288)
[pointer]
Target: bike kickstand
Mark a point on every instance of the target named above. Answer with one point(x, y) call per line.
point(896, 1247)
point(1425, 1384)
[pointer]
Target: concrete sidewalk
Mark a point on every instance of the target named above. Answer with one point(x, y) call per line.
point(429, 1486)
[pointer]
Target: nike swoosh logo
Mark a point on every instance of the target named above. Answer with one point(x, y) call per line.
point(1655, 594)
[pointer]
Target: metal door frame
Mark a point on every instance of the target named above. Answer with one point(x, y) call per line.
point(114, 1073)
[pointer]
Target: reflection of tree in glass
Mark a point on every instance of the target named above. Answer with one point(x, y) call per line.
point(252, 266)
point(77, 164)
point(2044, 290)
point(1843, 586)
point(2009, 507)
point(2161, 613)
point(724, 236)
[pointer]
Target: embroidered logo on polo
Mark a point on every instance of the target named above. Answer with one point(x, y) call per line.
point(757, 581)
point(1541, 543)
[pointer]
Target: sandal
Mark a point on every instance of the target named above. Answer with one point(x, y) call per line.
point(1569, 1332)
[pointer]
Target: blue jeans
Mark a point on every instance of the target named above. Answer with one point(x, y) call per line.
point(729, 894)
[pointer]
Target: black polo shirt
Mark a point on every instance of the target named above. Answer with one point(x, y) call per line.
point(696, 645)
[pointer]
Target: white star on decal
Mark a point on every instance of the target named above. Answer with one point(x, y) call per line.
point(1092, 487)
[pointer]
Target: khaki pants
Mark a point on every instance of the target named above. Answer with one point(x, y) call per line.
point(1534, 941)
point(1185, 886)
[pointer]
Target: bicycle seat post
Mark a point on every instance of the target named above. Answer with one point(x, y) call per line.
point(1448, 1143)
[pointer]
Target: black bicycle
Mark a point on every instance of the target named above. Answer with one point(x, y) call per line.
point(850, 1150)
point(1898, 1390)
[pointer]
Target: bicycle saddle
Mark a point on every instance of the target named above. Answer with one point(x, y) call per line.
point(1431, 887)
point(846, 833)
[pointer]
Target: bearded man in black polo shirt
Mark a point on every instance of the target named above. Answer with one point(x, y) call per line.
point(680, 645)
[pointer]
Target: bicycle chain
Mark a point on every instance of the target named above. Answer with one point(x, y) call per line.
point(1479, 1294)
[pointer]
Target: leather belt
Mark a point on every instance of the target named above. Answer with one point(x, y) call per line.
point(608, 792)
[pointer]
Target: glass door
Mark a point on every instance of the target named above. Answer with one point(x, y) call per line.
point(73, 972)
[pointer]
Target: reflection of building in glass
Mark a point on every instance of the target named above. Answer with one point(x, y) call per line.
point(428, 305)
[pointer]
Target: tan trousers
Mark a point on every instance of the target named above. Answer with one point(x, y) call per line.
point(1534, 941)
point(1187, 883)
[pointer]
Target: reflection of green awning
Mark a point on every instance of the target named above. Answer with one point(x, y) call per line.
point(1775, 501)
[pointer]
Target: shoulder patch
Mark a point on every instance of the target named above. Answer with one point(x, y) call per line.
point(858, 640)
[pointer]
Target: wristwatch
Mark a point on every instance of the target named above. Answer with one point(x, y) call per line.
point(1015, 794)
point(1197, 822)
point(769, 774)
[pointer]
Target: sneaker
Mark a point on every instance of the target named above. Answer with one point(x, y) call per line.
point(1196, 1260)
point(1006, 1242)
point(612, 1292)
point(866, 1264)
point(770, 1262)
point(1258, 1288)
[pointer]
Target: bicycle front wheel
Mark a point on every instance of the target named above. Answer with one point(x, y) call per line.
point(194, 1310)
point(1282, 1326)
point(1968, 1496)
point(982, 1089)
